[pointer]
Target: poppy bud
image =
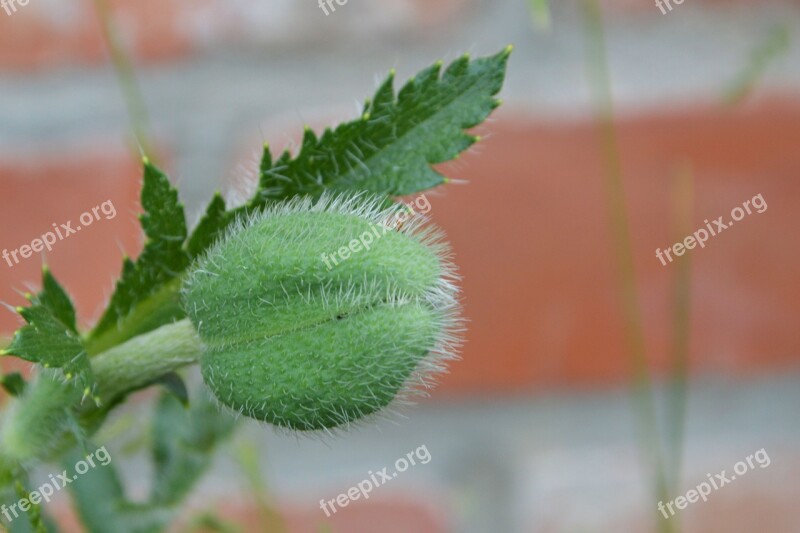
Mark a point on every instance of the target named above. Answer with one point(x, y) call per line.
point(314, 314)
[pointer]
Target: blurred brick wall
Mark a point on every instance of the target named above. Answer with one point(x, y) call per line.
point(530, 235)
point(56, 187)
point(529, 230)
point(54, 33)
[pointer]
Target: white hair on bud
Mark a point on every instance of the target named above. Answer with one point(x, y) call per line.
point(442, 296)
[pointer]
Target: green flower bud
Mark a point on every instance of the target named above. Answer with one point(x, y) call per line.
point(316, 314)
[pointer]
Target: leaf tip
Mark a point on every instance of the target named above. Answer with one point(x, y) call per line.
point(507, 50)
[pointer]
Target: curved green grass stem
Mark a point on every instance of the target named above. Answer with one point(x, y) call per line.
point(643, 399)
point(134, 101)
point(682, 201)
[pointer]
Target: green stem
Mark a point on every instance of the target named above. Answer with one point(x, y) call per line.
point(38, 424)
point(137, 111)
point(681, 303)
point(644, 404)
point(145, 358)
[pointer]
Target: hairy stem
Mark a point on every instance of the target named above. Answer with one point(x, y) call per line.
point(39, 423)
point(145, 358)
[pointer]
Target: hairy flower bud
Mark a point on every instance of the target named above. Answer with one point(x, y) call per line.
point(316, 314)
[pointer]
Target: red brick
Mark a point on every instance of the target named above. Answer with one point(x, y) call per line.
point(37, 36)
point(37, 191)
point(530, 235)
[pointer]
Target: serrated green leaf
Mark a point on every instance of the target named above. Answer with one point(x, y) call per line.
point(48, 342)
point(162, 259)
point(390, 149)
point(50, 338)
point(210, 227)
point(56, 299)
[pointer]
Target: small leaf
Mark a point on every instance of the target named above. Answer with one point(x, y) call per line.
point(55, 298)
point(50, 338)
point(162, 259)
point(389, 150)
point(210, 227)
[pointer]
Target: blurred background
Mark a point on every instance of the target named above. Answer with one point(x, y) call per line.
point(535, 429)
